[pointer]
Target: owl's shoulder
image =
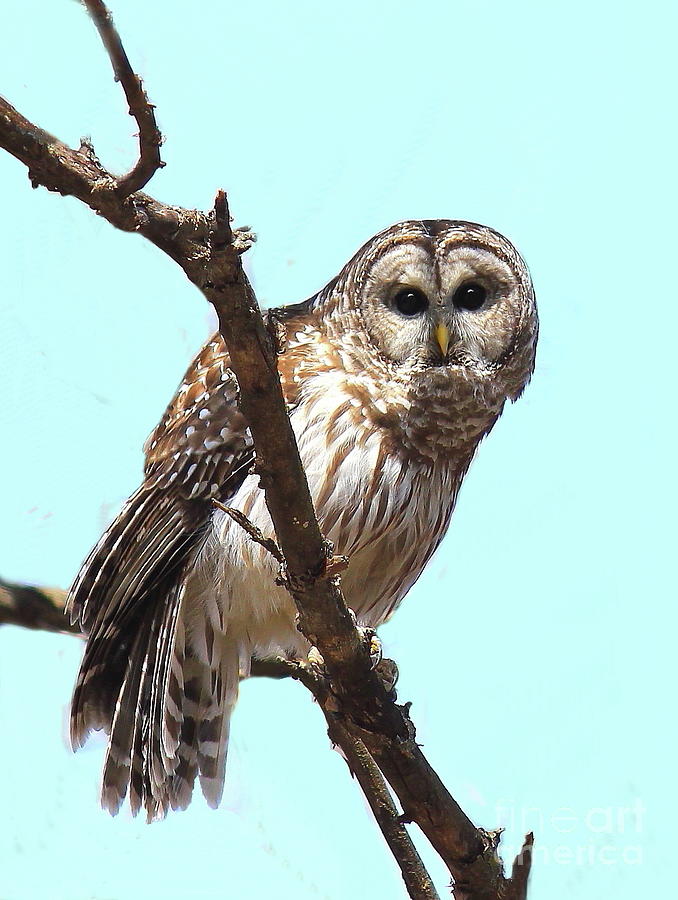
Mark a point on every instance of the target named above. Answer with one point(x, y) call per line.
point(202, 421)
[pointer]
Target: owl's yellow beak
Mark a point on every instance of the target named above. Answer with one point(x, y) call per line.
point(442, 337)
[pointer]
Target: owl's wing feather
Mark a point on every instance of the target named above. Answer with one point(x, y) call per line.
point(125, 730)
point(128, 592)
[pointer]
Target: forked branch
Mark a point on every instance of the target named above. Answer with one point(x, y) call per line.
point(150, 138)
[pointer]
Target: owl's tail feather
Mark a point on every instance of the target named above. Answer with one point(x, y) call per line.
point(126, 733)
point(115, 595)
point(162, 685)
point(172, 718)
point(214, 723)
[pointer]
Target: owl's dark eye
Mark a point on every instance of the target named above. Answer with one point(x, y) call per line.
point(410, 302)
point(469, 296)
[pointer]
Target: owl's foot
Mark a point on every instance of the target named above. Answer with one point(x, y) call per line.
point(243, 238)
point(315, 660)
point(386, 669)
point(369, 638)
point(372, 640)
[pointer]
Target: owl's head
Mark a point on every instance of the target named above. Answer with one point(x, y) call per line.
point(441, 293)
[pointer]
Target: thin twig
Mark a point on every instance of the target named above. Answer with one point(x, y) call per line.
point(334, 565)
point(251, 529)
point(222, 235)
point(140, 108)
point(41, 609)
point(520, 872)
point(417, 880)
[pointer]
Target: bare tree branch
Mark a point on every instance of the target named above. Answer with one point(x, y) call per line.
point(359, 708)
point(520, 874)
point(150, 138)
point(41, 609)
point(365, 770)
point(252, 530)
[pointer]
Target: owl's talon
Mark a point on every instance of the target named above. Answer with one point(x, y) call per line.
point(243, 238)
point(386, 669)
point(376, 648)
point(315, 660)
point(370, 638)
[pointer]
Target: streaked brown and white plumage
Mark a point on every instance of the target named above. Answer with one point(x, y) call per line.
point(393, 373)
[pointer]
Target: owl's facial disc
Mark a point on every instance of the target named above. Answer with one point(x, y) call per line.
point(448, 302)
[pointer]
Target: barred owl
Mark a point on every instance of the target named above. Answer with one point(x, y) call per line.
point(393, 373)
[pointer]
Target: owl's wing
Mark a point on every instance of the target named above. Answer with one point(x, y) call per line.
point(129, 584)
point(163, 695)
point(201, 447)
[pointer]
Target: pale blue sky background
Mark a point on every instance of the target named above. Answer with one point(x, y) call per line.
point(539, 648)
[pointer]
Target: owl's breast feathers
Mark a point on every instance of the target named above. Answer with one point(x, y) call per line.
point(426, 415)
point(384, 455)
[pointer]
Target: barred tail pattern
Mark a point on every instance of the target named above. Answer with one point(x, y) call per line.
point(171, 719)
point(160, 683)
